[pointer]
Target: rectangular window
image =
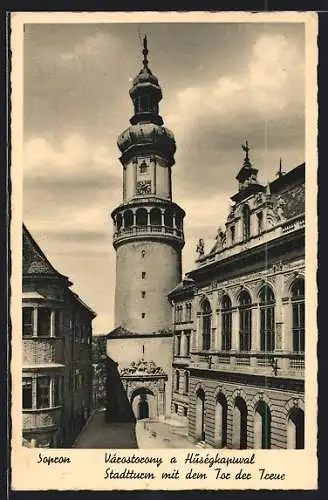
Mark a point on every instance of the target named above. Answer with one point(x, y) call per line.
point(143, 167)
point(27, 393)
point(245, 329)
point(226, 330)
point(58, 390)
point(57, 324)
point(185, 411)
point(177, 380)
point(188, 312)
point(143, 275)
point(267, 328)
point(187, 345)
point(43, 392)
point(298, 327)
point(259, 222)
point(232, 233)
point(28, 321)
point(143, 315)
point(44, 319)
point(175, 408)
point(143, 294)
point(177, 345)
point(207, 322)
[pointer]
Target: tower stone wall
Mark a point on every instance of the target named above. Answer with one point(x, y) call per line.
point(146, 271)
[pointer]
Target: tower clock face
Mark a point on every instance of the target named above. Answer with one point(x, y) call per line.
point(144, 187)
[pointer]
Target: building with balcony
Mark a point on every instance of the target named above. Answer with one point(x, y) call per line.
point(148, 239)
point(57, 363)
point(239, 330)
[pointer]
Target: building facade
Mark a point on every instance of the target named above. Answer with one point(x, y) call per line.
point(239, 322)
point(148, 238)
point(99, 372)
point(57, 363)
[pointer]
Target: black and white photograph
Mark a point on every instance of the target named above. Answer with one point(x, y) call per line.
point(166, 215)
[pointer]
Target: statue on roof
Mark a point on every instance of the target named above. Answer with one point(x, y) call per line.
point(220, 238)
point(200, 248)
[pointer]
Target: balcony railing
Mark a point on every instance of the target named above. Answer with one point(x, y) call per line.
point(133, 230)
point(42, 418)
point(44, 350)
point(277, 364)
point(293, 224)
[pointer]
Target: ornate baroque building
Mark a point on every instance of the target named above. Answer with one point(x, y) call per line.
point(239, 330)
point(57, 364)
point(148, 238)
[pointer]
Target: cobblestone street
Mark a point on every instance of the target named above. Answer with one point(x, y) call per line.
point(146, 434)
point(98, 433)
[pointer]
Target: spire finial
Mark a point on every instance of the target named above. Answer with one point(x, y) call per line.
point(145, 52)
point(246, 148)
point(280, 172)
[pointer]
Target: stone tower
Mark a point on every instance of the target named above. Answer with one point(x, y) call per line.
point(148, 225)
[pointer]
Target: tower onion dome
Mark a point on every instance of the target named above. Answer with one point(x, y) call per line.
point(146, 130)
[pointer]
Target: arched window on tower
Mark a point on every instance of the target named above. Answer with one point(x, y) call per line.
point(298, 308)
point(246, 218)
point(168, 219)
point(155, 217)
point(245, 321)
point(226, 323)
point(267, 305)
point(141, 216)
point(206, 324)
point(119, 222)
point(128, 219)
point(178, 221)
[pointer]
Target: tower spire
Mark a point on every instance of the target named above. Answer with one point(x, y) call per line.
point(280, 172)
point(145, 52)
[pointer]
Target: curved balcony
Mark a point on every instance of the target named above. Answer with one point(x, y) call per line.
point(149, 231)
point(41, 419)
point(42, 351)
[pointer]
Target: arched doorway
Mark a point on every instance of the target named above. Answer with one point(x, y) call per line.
point(239, 437)
point(200, 415)
point(143, 403)
point(295, 429)
point(221, 412)
point(143, 407)
point(262, 426)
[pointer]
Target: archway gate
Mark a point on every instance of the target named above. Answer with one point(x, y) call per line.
point(144, 384)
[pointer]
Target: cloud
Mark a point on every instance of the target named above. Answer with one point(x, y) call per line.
point(70, 158)
point(272, 80)
point(90, 48)
point(69, 191)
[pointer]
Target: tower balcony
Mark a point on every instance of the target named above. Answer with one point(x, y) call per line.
point(148, 219)
point(149, 231)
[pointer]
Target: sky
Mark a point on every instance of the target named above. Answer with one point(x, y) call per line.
point(221, 83)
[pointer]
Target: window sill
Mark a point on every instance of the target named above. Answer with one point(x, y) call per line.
point(34, 410)
point(42, 337)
